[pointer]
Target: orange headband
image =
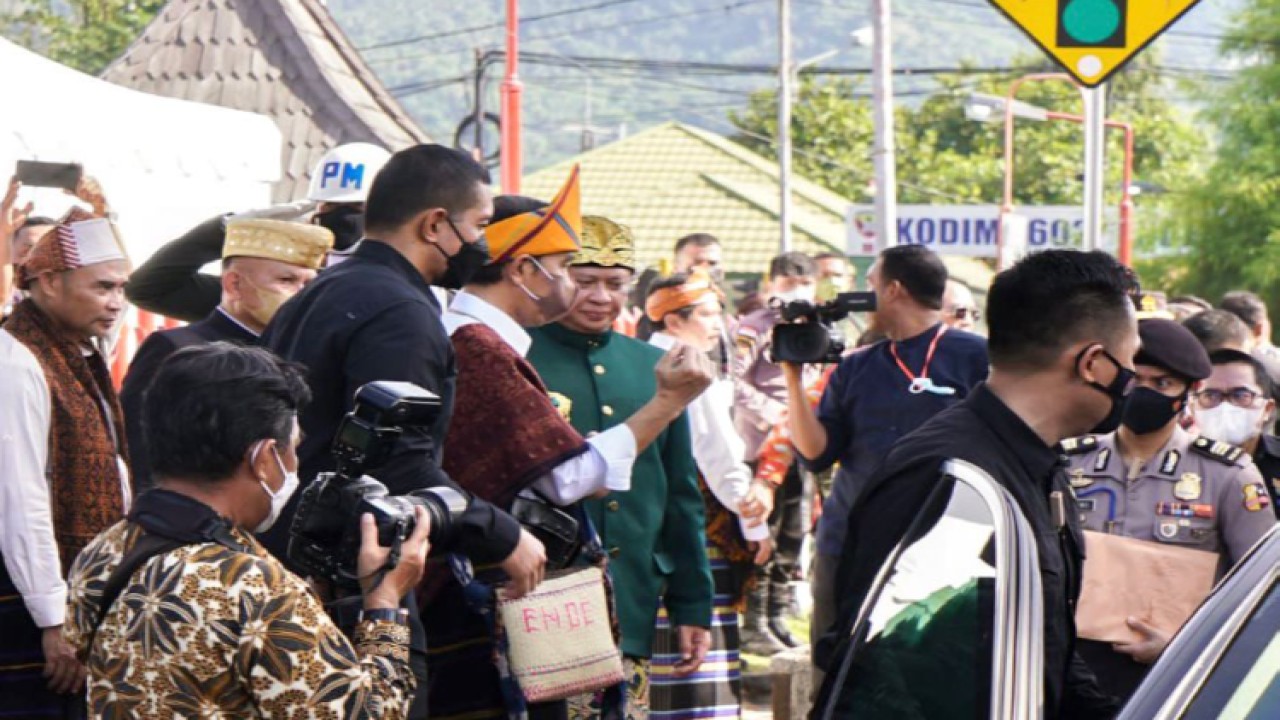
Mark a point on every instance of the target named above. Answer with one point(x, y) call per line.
point(697, 289)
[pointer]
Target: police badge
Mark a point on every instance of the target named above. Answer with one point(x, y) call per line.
point(1188, 487)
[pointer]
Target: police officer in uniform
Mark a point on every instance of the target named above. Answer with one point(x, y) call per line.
point(1236, 405)
point(1154, 481)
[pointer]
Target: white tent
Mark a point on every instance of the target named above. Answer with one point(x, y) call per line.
point(164, 164)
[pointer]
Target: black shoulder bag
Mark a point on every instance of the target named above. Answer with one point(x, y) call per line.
point(169, 520)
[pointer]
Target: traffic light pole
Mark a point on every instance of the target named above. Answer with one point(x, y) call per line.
point(1095, 144)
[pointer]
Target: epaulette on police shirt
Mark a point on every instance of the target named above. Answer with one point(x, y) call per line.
point(1223, 452)
point(1078, 446)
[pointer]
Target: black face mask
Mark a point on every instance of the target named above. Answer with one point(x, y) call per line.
point(346, 222)
point(461, 265)
point(1118, 391)
point(1146, 410)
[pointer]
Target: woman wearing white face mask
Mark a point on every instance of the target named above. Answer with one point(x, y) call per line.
point(178, 609)
point(1236, 406)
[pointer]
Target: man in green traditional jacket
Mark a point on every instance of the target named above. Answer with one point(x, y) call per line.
point(655, 532)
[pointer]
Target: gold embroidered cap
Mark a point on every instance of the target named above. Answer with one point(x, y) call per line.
point(289, 242)
point(605, 243)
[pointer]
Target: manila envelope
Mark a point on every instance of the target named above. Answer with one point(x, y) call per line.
point(1125, 577)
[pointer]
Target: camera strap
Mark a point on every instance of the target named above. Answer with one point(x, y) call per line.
point(921, 383)
point(154, 512)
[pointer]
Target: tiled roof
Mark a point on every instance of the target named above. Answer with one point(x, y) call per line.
point(286, 59)
point(675, 179)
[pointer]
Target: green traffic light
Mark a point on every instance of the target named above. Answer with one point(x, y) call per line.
point(1091, 21)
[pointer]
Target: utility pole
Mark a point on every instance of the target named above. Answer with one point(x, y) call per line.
point(784, 124)
point(477, 115)
point(511, 89)
point(1095, 144)
point(882, 153)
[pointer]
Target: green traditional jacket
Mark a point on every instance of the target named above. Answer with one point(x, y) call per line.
point(655, 533)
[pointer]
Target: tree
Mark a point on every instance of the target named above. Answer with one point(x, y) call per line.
point(944, 157)
point(1231, 220)
point(84, 34)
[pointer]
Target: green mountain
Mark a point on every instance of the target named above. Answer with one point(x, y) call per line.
point(425, 52)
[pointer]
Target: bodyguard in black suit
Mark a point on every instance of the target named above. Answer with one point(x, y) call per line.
point(265, 262)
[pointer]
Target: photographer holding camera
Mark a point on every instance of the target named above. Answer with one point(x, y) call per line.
point(880, 394)
point(179, 610)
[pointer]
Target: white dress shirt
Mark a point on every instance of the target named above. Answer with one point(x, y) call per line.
point(26, 516)
point(610, 455)
point(717, 447)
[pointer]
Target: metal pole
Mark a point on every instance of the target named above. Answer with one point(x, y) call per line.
point(588, 133)
point(1006, 205)
point(477, 118)
point(883, 155)
point(511, 89)
point(1125, 253)
point(1095, 142)
point(784, 124)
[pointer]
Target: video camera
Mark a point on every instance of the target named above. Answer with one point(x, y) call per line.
point(325, 536)
point(816, 340)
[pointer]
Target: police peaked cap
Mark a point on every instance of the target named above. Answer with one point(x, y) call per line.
point(1167, 344)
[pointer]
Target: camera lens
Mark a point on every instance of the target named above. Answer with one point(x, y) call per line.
point(803, 343)
point(444, 505)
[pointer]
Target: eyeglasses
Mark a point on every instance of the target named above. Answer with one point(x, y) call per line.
point(961, 313)
point(1240, 397)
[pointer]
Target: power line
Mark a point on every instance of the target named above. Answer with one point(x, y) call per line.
point(495, 25)
point(665, 17)
point(705, 69)
point(634, 67)
point(827, 160)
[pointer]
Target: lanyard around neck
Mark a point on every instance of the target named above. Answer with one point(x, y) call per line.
point(921, 382)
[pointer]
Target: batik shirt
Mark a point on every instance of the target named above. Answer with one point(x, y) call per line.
point(206, 631)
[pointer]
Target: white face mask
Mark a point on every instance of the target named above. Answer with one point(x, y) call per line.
point(1229, 423)
point(800, 292)
point(279, 498)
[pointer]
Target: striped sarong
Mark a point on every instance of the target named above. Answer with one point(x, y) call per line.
point(23, 692)
point(715, 690)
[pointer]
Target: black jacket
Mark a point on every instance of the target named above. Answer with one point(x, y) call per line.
point(154, 350)
point(985, 432)
point(1267, 458)
point(170, 282)
point(371, 318)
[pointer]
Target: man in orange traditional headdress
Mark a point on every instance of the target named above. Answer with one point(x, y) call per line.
point(509, 437)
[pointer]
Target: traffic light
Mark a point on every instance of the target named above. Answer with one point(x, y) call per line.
point(1091, 23)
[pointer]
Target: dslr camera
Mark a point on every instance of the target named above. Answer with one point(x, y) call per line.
point(816, 340)
point(325, 536)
